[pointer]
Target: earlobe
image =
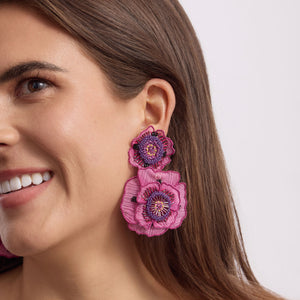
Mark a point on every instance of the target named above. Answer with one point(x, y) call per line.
point(159, 104)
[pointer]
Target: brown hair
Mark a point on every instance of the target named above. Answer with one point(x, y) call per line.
point(134, 41)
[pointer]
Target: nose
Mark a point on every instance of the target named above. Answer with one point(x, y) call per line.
point(9, 136)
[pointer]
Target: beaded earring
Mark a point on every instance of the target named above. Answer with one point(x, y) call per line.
point(154, 200)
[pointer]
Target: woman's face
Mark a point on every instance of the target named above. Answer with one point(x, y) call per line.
point(65, 120)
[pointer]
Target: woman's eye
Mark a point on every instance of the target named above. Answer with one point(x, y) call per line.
point(32, 86)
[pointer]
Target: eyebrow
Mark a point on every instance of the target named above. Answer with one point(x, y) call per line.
point(24, 67)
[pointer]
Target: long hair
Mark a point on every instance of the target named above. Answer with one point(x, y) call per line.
point(136, 40)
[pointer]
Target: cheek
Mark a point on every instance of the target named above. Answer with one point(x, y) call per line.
point(88, 145)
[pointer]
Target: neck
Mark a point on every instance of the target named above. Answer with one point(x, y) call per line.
point(89, 268)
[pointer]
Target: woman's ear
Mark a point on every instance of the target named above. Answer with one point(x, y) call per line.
point(158, 104)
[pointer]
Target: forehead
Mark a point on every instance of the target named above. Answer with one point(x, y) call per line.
point(26, 35)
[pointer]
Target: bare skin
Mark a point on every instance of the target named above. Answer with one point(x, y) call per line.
point(73, 238)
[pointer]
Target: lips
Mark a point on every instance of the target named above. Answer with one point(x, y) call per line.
point(25, 195)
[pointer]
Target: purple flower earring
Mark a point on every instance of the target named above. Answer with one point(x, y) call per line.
point(151, 148)
point(154, 200)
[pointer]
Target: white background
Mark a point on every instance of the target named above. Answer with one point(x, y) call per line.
point(252, 52)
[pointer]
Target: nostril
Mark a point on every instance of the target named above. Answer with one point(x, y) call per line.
point(9, 136)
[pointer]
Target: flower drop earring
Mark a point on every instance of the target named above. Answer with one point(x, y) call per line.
point(154, 200)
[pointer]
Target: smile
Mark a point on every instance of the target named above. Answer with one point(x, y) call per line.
point(24, 181)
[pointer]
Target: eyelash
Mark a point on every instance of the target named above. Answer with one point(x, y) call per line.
point(22, 81)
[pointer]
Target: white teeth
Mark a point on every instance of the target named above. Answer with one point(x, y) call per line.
point(15, 184)
point(5, 187)
point(46, 176)
point(26, 180)
point(37, 178)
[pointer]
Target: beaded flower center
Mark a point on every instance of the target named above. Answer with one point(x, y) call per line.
point(151, 149)
point(158, 206)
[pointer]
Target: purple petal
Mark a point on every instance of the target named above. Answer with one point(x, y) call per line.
point(168, 147)
point(131, 189)
point(182, 209)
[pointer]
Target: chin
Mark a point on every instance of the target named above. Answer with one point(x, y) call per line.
point(25, 242)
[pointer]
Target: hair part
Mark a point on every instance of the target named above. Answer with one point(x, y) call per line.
point(136, 40)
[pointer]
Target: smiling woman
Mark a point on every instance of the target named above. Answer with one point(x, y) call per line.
point(89, 92)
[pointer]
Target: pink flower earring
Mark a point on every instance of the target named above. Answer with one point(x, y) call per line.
point(154, 200)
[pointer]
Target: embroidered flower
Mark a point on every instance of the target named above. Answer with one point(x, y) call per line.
point(154, 201)
point(151, 149)
point(4, 252)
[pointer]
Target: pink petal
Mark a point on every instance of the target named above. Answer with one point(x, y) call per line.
point(131, 189)
point(182, 209)
point(161, 132)
point(142, 220)
point(170, 149)
point(131, 158)
point(146, 176)
point(149, 175)
point(148, 129)
point(150, 186)
point(137, 228)
point(170, 177)
point(149, 232)
point(167, 222)
point(155, 231)
point(159, 165)
point(135, 140)
point(164, 161)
